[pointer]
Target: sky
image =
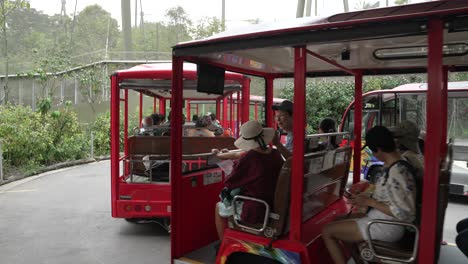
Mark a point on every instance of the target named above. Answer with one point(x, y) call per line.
point(238, 12)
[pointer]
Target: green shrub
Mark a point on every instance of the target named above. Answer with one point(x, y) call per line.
point(34, 139)
point(101, 132)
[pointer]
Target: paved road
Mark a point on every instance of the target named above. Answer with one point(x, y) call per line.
point(65, 217)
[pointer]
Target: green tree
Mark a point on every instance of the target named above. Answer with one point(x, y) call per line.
point(95, 30)
point(154, 37)
point(179, 25)
point(363, 4)
point(91, 81)
point(6, 7)
point(206, 27)
point(401, 2)
point(55, 59)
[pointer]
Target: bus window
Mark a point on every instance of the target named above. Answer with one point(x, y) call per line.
point(413, 108)
point(457, 117)
point(390, 111)
point(370, 115)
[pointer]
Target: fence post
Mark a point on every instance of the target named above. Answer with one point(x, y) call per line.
point(92, 144)
point(1, 161)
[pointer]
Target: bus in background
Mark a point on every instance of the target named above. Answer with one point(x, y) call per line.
point(426, 38)
point(140, 186)
point(408, 102)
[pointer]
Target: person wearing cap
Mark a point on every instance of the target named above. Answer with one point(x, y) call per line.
point(284, 118)
point(255, 174)
point(394, 198)
point(406, 135)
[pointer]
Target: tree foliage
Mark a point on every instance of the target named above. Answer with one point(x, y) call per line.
point(33, 139)
point(329, 98)
point(179, 24)
point(6, 8)
point(94, 30)
point(401, 2)
point(206, 27)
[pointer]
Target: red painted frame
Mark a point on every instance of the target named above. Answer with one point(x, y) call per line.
point(436, 114)
point(159, 194)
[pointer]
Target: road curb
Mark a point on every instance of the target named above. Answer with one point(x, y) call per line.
point(17, 180)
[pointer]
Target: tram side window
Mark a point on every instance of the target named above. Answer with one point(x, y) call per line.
point(390, 110)
point(370, 115)
point(458, 117)
point(413, 108)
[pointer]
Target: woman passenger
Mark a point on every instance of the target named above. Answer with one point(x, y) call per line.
point(327, 125)
point(393, 199)
point(255, 173)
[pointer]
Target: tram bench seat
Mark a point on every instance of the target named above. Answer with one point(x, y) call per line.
point(158, 148)
point(328, 182)
point(402, 251)
point(274, 224)
point(406, 249)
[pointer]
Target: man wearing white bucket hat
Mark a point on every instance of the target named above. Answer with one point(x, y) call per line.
point(254, 174)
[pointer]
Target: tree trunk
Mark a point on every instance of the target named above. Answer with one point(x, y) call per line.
point(300, 8)
point(346, 5)
point(127, 28)
point(308, 7)
point(5, 55)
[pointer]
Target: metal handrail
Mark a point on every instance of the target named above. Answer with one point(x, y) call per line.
point(265, 220)
point(389, 222)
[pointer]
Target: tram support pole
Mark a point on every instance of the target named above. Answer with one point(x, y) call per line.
point(115, 141)
point(269, 101)
point(357, 127)
point(141, 109)
point(187, 109)
point(297, 173)
point(162, 106)
point(245, 100)
point(176, 155)
point(432, 157)
point(225, 117)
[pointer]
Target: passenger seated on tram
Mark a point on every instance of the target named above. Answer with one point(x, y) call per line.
point(195, 118)
point(406, 135)
point(284, 117)
point(327, 125)
point(201, 129)
point(254, 174)
point(214, 125)
point(394, 198)
point(146, 126)
point(156, 119)
point(462, 238)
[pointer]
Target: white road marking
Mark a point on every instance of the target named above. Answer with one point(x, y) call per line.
point(19, 191)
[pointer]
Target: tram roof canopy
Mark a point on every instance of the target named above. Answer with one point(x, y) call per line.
point(377, 41)
point(156, 80)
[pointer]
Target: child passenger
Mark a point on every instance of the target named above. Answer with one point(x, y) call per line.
point(255, 174)
point(394, 198)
